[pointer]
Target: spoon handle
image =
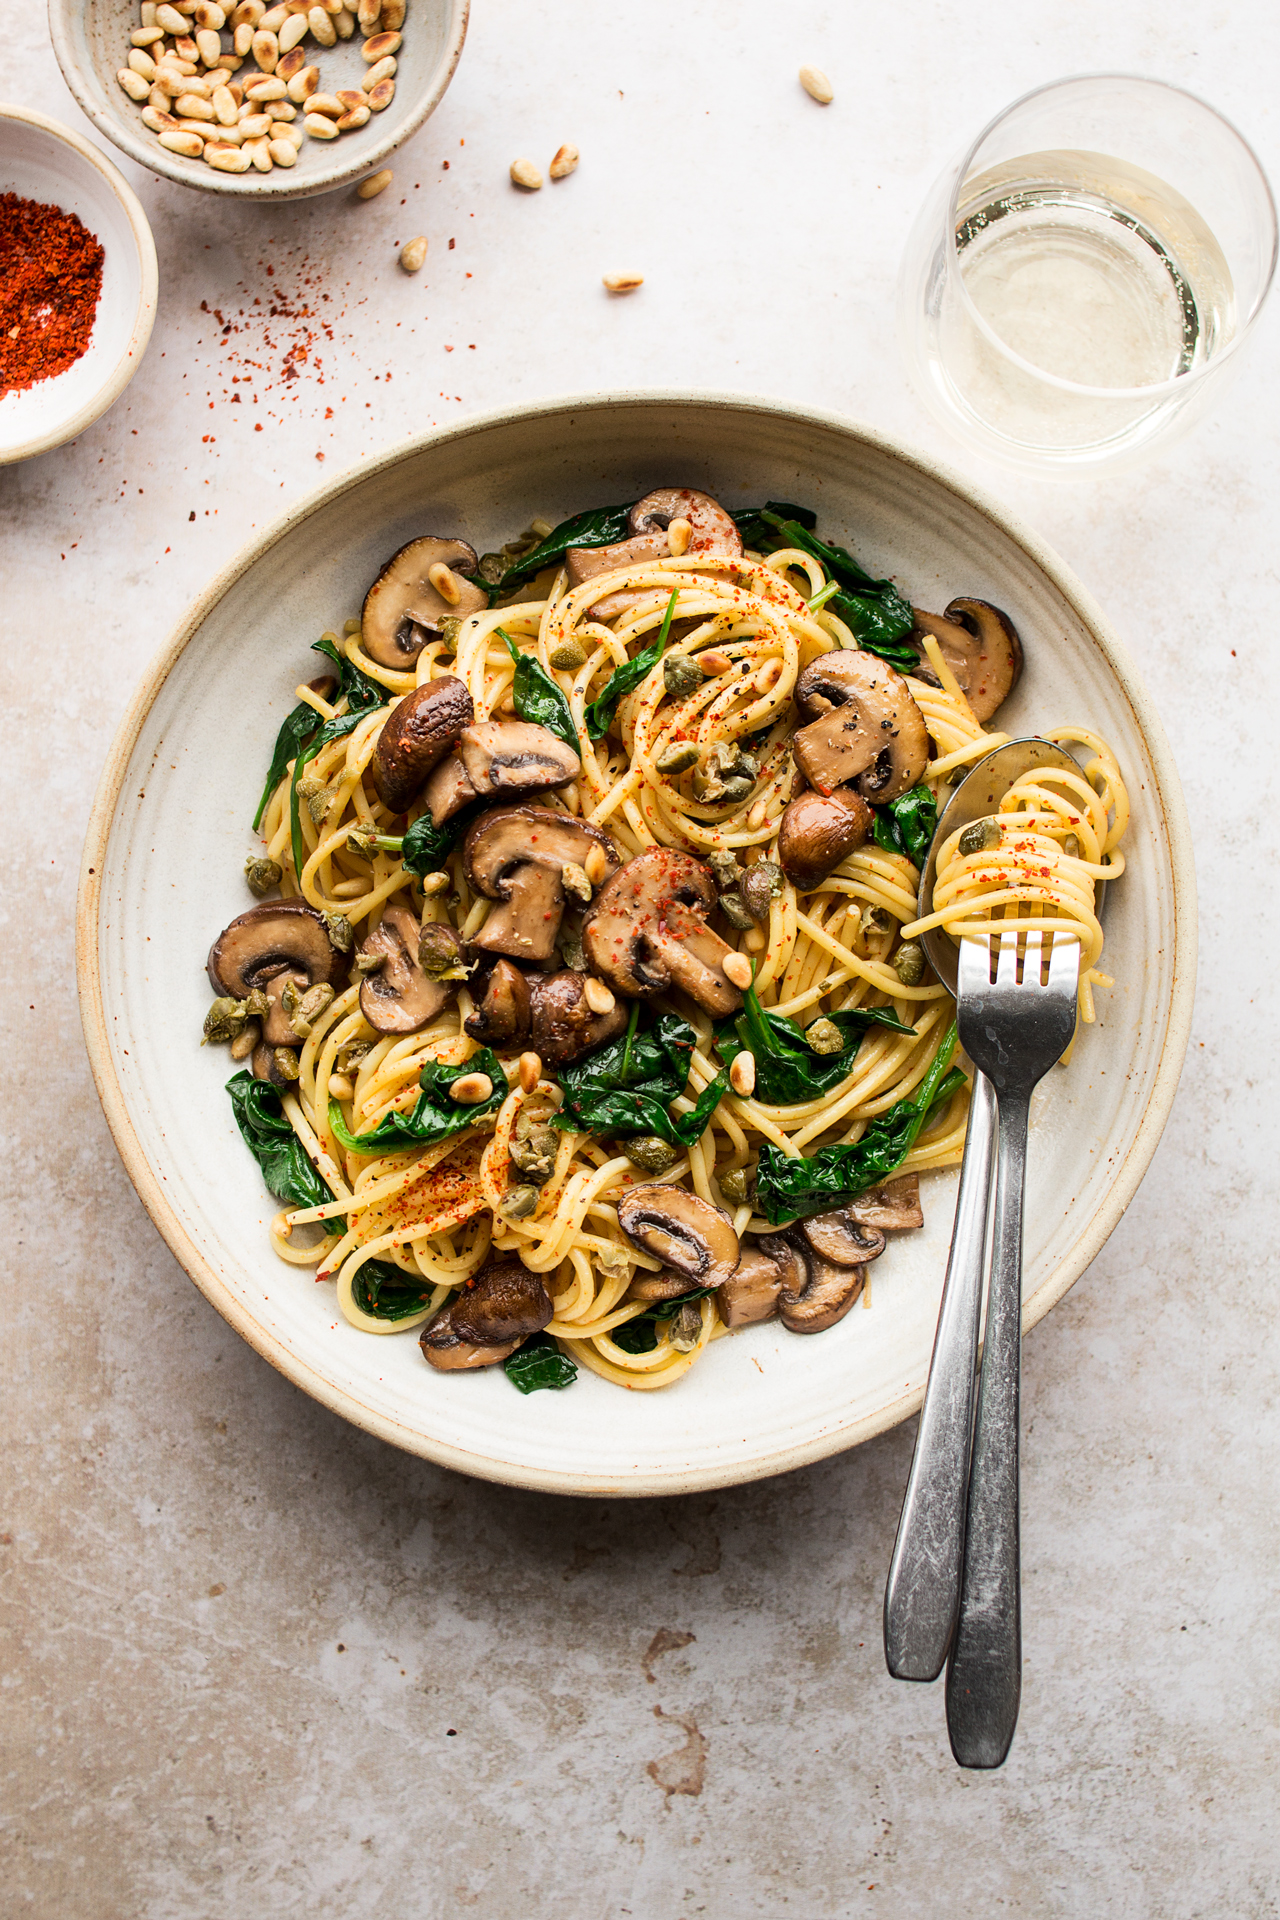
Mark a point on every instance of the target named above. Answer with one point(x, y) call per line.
point(923, 1589)
point(984, 1678)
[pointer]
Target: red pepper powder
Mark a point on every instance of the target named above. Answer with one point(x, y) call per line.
point(50, 283)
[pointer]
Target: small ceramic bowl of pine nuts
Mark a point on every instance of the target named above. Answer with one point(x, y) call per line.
point(277, 99)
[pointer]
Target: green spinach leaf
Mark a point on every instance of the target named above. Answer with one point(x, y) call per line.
point(598, 527)
point(385, 1292)
point(435, 1114)
point(363, 695)
point(640, 1334)
point(626, 1086)
point(759, 533)
point(907, 825)
point(624, 680)
point(788, 1071)
point(275, 1146)
point(874, 609)
point(539, 1363)
point(790, 1189)
point(537, 697)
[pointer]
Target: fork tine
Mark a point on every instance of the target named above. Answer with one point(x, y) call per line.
point(1007, 959)
point(1064, 964)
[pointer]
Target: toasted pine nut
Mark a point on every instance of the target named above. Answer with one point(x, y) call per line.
point(737, 968)
point(679, 534)
point(266, 86)
point(381, 70)
point(563, 162)
point(170, 82)
point(255, 126)
point(754, 940)
point(189, 144)
point(319, 127)
point(259, 151)
point(218, 135)
point(145, 36)
point(236, 89)
point(158, 100)
point(290, 63)
point(816, 85)
point(209, 16)
point(714, 662)
point(274, 19)
point(148, 12)
point(294, 135)
point(303, 84)
point(742, 1074)
point(230, 63)
point(327, 104)
point(340, 1088)
point(265, 49)
point(381, 94)
point(597, 995)
point(293, 31)
point(248, 13)
point(196, 84)
point(280, 110)
point(623, 282)
point(133, 83)
point(210, 45)
point(141, 62)
point(349, 98)
point(242, 39)
point(525, 174)
point(186, 49)
point(369, 14)
point(191, 107)
point(322, 27)
point(284, 153)
point(378, 46)
point(530, 1068)
point(206, 129)
point(471, 1089)
point(445, 582)
point(412, 255)
point(170, 19)
point(596, 865)
point(158, 121)
point(392, 18)
point(767, 676)
point(356, 118)
point(228, 159)
point(345, 23)
point(756, 816)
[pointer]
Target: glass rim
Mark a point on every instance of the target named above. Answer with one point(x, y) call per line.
point(1182, 383)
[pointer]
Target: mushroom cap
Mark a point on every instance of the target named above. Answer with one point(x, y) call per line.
point(501, 1306)
point(502, 1016)
point(263, 1063)
point(447, 790)
point(750, 1294)
point(584, 563)
point(516, 855)
point(895, 1205)
point(402, 609)
point(683, 1229)
point(667, 1285)
point(817, 830)
point(400, 997)
point(995, 664)
point(280, 936)
point(826, 1292)
point(563, 1025)
point(416, 736)
point(842, 1240)
point(506, 758)
point(712, 529)
point(645, 931)
point(864, 728)
point(461, 1356)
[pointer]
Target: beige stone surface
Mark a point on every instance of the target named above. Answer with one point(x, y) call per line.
point(257, 1664)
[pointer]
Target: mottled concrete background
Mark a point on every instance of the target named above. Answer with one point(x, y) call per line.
point(260, 1665)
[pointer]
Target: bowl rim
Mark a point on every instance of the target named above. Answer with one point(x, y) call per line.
point(253, 186)
point(691, 1478)
point(148, 295)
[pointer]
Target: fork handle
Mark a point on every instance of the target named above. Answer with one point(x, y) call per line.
point(923, 1588)
point(984, 1678)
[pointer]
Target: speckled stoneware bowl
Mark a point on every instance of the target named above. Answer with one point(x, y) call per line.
point(91, 40)
point(171, 828)
point(41, 160)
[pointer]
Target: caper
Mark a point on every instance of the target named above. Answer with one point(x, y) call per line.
point(761, 885)
point(224, 1020)
point(338, 928)
point(874, 920)
point(536, 1155)
point(257, 1006)
point(449, 629)
point(574, 880)
point(363, 840)
point(650, 1154)
point(908, 963)
point(262, 875)
point(492, 567)
point(290, 1000)
point(350, 1054)
point(737, 786)
point(285, 1063)
point(979, 836)
point(1071, 845)
point(315, 1001)
point(568, 656)
point(569, 941)
point(678, 757)
point(438, 952)
point(736, 1184)
point(686, 1327)
point(369, 961)
point(517, 1203)
point(680, 675)
point(734, 910)
point(824, 1036)
point(725, 868)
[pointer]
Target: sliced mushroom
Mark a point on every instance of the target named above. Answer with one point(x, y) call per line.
point(712, 531)
point(864, 728)
point(416, 737)
point(750, 1294)
point(488, 1318)
point(499, 759)
point(980, 644)
point(403, 610)
point(646, 932)
point(667, 1285)
point(399, 997)
point(517, 856)
point(817, 1293)
point(817, 830)
point(842, 1240)
point(447, 790)
point(501, 1018)
point(265, 1067)
point(681, 1228)
point(563, 1025)
point(282, 942)
point(894, 1206)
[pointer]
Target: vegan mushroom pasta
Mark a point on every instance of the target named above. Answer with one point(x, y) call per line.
point(589, 1022)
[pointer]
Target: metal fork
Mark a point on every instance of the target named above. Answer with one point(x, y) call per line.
point(1013, 1026)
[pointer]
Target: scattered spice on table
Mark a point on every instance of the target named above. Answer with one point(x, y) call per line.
point(50, 282)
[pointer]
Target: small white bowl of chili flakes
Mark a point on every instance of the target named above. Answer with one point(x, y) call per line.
point(78, 284)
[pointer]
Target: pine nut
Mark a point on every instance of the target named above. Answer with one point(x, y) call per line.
point(369, 14)
point(170, 82)
point(259, 151)
point(255, 126)
point(191, 107)
point(265, 87)
point(203, 128)
point(210, 45)
point(754, 940)
point(158, 101)
point(196, 84)
point(148, 12)
point(340, 1088)
point(737, 968)
point(296, 6)
point(349, 98)
point(230, 63)
point(714, 662)
point(273, 20)
point(326, 104)
point(445, 582)
point(186, 49)
point(381, 95)
point(816, 85)
point(294, 135)
point(170, 19)
point(379, 46)
point(265, 49)
point(242, 39)
point(292, 32)
point(434, 883)
point(756, 816)
point(344, 23)
point(381, 70)
point(141, 62)
point(412, 255)
point(322, 27)
point(679, 534)
point(189, 144)
point(228, 159)
point(319, 127)
point(284, 153)
point(134, 84)
point(290, 63)
point(525, 174)
point(236, 89)
point(742, 1074)
point(218, 135)
point(597, 996)
point(563, 162)
point(145, 36)
point(248, 13)
point(158, 121)
point(596, 865)
point(530, 1069)
point(281, 110)
point(623, 282)
point(209, 16)
point(471, 1089)
point(392, 15)
point(303, 84)
point(356, 118)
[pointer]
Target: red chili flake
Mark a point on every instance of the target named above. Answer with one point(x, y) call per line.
point(50, 282)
